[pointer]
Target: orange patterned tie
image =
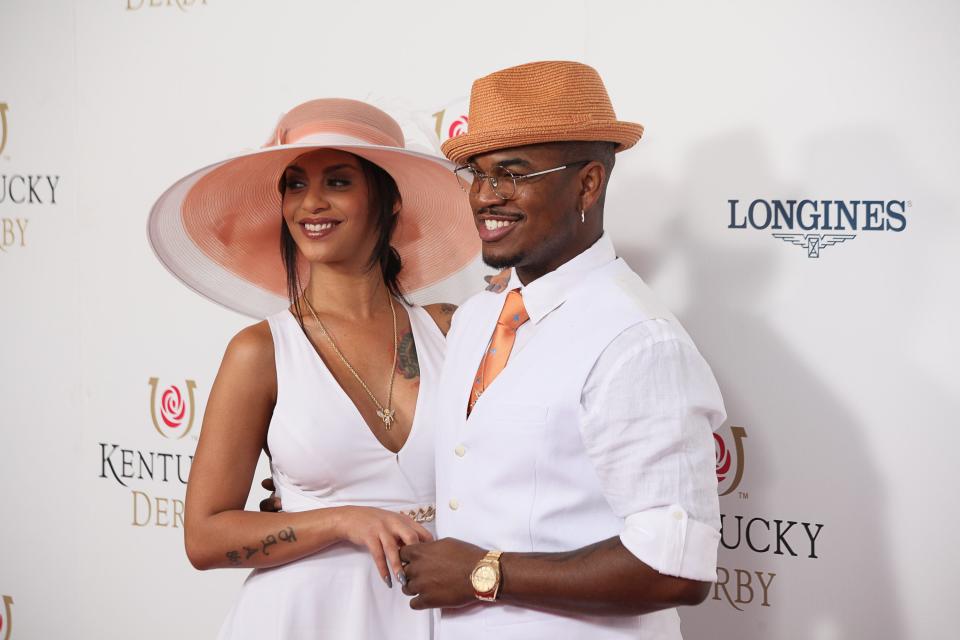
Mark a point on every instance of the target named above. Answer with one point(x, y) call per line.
point(495, 359)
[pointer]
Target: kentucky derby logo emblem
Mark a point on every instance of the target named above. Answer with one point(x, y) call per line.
point(727, 459)
point(3, 126)
point(6, 619)
point(174, 411)
point(458, 127)
point(451, 121)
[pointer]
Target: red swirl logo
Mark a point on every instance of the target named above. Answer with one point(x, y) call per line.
point(172, 407)
point(730, 460)
point(172, 410)
point(458, 127)
point(723, 457)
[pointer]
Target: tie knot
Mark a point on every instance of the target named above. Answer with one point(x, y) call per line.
point(514, 313)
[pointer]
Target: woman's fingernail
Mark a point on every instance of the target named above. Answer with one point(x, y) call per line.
point(402, 578)
point(388, 580)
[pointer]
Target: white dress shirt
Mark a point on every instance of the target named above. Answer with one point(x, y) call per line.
point(647, 412)
point(600, 425)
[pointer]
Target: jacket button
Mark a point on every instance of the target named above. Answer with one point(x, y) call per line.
point(460, 451)
point(454, 504)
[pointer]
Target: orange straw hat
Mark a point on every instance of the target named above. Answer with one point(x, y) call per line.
point(218, 229)
point(539, 102)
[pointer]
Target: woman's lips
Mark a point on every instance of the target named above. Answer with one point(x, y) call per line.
point(316, 229)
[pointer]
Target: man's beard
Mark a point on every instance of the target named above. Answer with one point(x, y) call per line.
point(503, 262)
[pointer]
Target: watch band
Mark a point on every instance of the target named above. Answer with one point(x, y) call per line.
point(487, 568)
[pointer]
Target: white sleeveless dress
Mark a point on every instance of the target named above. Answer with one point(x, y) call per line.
point(324, 455)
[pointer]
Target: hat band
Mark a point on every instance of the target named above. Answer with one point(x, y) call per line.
point(331, 140)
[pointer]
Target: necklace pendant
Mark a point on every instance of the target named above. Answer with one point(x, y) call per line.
point(387, 416)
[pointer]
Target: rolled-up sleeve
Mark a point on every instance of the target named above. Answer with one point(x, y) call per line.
point(648, 411)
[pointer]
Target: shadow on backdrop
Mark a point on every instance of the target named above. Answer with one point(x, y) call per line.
point(806, 455)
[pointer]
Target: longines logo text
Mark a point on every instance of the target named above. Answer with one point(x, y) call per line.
point(808, 219)
point(172, 414)
point(183, 5)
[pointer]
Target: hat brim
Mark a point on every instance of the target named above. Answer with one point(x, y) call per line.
point(218, 229)
point(464, 147)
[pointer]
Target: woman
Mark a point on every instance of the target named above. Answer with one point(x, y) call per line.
point(331, 387)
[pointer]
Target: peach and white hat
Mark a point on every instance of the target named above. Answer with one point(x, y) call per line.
point(218, 228)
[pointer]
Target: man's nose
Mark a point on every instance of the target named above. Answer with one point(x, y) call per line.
point(483, 195)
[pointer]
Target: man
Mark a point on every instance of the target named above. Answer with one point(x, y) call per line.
point(576, 492)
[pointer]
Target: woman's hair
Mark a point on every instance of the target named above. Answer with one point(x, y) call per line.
point(383, 194)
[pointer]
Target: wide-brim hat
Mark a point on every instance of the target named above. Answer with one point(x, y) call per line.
point(218, 228)
point(552, 101)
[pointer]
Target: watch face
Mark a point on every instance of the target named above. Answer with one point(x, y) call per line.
point(484, 578)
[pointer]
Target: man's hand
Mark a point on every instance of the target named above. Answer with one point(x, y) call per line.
point(438, 573)
point(270, 504)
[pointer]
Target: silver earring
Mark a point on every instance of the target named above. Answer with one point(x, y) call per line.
point(582, 217)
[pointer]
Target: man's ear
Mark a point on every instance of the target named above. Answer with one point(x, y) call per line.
point(591, 186)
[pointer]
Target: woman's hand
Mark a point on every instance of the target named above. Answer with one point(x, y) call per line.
point(382, 532)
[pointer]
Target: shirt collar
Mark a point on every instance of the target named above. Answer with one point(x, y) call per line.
point(550, 290)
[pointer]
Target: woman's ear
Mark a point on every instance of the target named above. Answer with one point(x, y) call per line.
point(397, 205)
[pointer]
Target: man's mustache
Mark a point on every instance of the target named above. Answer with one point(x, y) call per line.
point(497, 211)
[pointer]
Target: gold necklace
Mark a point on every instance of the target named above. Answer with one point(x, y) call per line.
point(385, 413)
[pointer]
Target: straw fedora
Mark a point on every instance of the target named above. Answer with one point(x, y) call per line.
point(538, 102)
point(218, 228)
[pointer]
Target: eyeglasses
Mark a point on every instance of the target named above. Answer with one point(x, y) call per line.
point(504, 182)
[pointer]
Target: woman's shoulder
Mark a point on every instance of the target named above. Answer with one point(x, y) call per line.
point(252, 346)
point(442, 314)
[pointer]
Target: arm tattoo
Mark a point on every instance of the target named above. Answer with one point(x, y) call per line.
point(286, 535)
point(498, 283)
point(407, 363)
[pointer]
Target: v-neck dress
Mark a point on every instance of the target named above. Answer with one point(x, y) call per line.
point(324, 455)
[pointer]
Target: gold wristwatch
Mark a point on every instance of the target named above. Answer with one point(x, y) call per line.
point(485, 577)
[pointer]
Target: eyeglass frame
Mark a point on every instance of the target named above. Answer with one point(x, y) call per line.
point(513, 177)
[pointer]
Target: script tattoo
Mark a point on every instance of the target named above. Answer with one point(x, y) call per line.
point(284, 535)
point(407, 363)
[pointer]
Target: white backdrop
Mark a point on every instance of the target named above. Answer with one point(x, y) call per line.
point(840, 370)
